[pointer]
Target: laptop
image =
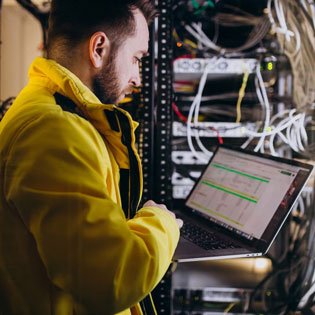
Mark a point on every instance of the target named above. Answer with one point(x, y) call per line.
point(238, 205)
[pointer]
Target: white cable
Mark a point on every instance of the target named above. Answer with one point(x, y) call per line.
point(266, 104)
point(258, 92)
point(194, 109)
point(280, 134)
point(303, 130)
point(281, 19)
point(283, 29)
point(247, 142)
point(296, 130)
point(271, 19)
point(282, 113)
point(306, 296)
point(262, 103)
point(290, 134)
point(202, 83)
point(200, 44)
point(276, 130)
point(291, 139)
point(194, 114)
point(297, 38)
point(283, 25)
point(303, 3)
point(193, 32)
point(295, 133)
point(198, 28)
point(196, 101)
point(189, 139)
point(197, 36)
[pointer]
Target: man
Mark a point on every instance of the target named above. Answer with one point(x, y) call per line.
point(72, 240)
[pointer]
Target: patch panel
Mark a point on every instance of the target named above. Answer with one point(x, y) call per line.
point(190, 69)
point(188, 158)
point(178, 179)
point(180, 191)
point(225, 129)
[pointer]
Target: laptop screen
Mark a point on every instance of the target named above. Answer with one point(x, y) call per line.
point(248, 193)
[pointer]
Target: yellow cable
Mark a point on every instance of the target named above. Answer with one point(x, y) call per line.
point(190, 43)
point(229, 307)
point(176, 35)
point(240, 97)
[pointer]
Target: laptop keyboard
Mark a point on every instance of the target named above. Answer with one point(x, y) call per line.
point(205, 239)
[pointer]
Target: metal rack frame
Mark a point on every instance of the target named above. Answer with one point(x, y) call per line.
point(146, 127)
point(163, 126)
point(163, 135)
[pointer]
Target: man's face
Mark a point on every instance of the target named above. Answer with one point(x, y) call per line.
point(121, 73)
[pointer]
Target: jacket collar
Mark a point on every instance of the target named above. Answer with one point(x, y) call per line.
point(51, 75)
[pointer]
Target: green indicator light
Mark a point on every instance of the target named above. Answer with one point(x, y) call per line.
point(269, 66)
point(286, 173)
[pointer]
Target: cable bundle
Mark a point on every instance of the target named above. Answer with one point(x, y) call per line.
point(294, 23)
point(261, 28)
point(293, 271)
point(192, 120)
point(290, 129)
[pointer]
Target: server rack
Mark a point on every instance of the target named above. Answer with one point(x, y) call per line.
point(161, 186)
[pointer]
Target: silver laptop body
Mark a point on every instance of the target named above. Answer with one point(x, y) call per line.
point(238, 205)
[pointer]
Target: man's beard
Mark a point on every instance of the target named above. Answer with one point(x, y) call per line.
point(105, 83)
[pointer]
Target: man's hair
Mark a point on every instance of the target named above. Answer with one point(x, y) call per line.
point(73, 21)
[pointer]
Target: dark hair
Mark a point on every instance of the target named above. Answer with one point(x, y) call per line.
point(73, 21)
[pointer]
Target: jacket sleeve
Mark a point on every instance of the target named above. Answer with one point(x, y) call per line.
point(57, 179)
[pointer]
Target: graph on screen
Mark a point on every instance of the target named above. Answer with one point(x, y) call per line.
point(241, 192)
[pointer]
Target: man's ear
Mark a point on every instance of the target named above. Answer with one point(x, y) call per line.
point(99, 49)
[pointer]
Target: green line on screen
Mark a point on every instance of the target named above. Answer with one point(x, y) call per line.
point(230, 189)
point(229, 192)
point(216, 213)
point(240, 173)
point(286, 173)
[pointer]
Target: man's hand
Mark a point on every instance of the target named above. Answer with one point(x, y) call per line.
point(151, 203)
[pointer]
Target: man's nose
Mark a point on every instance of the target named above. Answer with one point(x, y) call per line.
point(135, 78)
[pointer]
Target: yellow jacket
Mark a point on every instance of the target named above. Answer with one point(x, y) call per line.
point(66, 245)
